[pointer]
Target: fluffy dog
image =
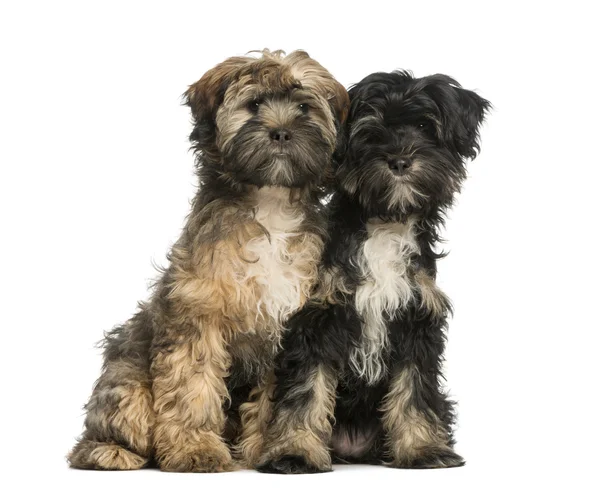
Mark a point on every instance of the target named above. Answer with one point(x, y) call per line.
point(265, 131)
point(366, 351)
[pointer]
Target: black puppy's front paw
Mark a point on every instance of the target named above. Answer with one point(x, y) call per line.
point(289, 465)
point(434, 458)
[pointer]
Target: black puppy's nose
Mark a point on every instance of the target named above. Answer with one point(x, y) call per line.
point(399, 165)
point(280, 135)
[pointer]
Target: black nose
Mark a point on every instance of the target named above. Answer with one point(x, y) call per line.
point(280, 135)
point(399, 165)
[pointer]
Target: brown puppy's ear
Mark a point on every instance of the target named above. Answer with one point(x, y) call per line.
point(340, 102)
point(313, 75)
point(205, 96)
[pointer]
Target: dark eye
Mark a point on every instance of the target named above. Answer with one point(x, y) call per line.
point(253, 106)
point(303, 107)
point(423, 124)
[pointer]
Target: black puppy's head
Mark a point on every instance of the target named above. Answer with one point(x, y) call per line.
point(408, 139)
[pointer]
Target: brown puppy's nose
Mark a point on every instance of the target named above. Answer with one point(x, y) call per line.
point(280, 135)
point(399, 165)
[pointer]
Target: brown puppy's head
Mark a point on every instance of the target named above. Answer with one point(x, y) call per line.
point(272, 120)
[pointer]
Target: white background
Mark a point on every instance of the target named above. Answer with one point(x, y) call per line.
point(96, 181)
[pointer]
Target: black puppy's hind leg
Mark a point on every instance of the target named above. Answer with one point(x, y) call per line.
point(299, 432)
point(119, 414)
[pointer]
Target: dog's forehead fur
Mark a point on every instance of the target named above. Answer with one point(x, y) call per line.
point(272, 73)
point(394, 97)
point(284, 82)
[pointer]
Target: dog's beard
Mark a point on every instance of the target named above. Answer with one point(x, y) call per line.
point(379, 192)
point(253, 158)
point(432, 180)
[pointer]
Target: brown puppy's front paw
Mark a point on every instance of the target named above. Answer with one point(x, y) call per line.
point(197, 459)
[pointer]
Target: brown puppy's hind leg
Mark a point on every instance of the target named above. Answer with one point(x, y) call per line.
point(120, 418)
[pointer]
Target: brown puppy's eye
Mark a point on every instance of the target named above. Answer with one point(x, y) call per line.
point(253, 106)
point(303, 107)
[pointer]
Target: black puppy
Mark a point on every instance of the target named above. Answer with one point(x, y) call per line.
point(366, 352)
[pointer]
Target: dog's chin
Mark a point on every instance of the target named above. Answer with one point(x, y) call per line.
point(381, 193)
point(278, 169)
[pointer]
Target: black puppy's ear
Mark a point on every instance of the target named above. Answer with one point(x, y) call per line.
point(462, 110)
point(471, 110)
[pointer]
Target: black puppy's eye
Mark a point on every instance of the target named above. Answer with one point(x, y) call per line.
point(253, 106)
point(425, 126)
point(303, 107)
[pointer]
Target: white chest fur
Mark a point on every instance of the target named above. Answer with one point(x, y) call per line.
point(280, 273)
point(384, 263)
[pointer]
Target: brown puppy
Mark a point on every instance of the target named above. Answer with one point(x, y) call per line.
point(174, 376)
